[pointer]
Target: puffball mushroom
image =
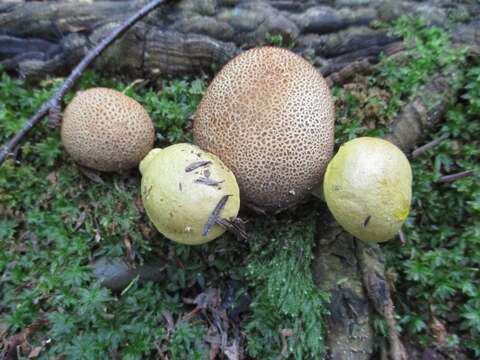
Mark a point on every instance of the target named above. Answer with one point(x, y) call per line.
point(269, 115)
point(106, 130)
point(368, 188)
point(181, 186)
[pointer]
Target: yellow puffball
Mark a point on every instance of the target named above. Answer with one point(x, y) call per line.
point(179, 193)
point(368, 188)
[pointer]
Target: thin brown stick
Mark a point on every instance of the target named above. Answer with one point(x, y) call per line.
point(55, 101)
point(212, 219)
point(402, 237)
point(453, 177)
point(424, 148)
point(195, 165)
point(209, 182)
point(235, 226)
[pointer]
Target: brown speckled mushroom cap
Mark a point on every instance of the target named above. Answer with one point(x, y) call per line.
point(106, 130)
point(269, 116)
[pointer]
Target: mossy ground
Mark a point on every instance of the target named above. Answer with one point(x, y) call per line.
point(54, 222)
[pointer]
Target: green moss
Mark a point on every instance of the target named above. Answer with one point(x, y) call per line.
point(54, 222)
point(285, 296)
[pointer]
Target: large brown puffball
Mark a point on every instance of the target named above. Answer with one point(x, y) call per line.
point(106, 130)
point(269, 116)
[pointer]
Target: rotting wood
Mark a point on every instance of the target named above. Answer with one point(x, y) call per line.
point(214, 216)
point(345, 74)
point(372, 266)
point(186, 38)
point(425, 110)
point(337, 271)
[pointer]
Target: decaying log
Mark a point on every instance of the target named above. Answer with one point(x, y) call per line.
point(346, 73)
point(468, 35)
point(191, 36)
point(187, 37)
point(337, 271)
point(378, 292)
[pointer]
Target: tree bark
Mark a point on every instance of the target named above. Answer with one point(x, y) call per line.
point(187, 37)
point(192, 36)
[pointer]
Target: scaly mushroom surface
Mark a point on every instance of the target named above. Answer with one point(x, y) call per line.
point(106, 130)
point(269, 116)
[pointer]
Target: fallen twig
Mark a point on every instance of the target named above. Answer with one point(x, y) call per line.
point(54, 102)
point(424, 148)
point(453, 177)
point(346, 73)
point(209, 182)
point(212, 219)
point(195, 165)
point(235, 226)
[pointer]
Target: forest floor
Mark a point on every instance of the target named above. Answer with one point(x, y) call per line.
point(256, 297)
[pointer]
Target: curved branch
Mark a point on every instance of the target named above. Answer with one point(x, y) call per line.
point(55, 101)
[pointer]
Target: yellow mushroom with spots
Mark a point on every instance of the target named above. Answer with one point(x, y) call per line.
point(368, 188)
point(181, 186)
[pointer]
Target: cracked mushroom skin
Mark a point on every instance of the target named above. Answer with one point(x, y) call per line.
point(105, 130)
point(269, 116)
point(181, 186)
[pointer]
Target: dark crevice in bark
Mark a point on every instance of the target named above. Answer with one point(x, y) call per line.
point(144, 50)
point(421, 114)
